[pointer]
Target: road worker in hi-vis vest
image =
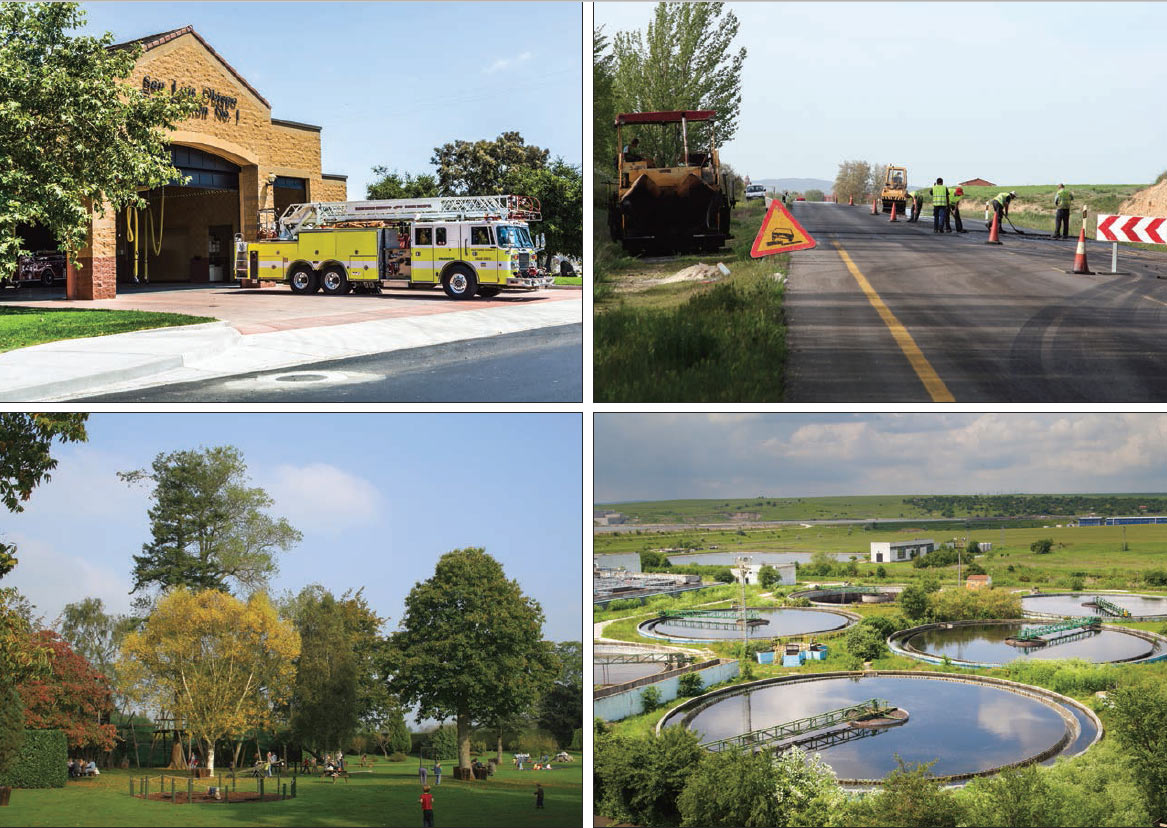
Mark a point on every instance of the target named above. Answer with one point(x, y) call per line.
point(1000, 205)
point(939, 205)
point(1063, 200)
point(954, 209)
point(917, 197)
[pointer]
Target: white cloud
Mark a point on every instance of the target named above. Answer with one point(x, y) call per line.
point(507, 63)
point(51, 578)
point(320, 496)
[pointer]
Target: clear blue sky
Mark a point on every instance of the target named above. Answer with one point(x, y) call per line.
point(1031, 93)
point(379, 498)
point(391, 81)
point(670, 456)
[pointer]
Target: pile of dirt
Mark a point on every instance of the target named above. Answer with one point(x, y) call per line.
point(700, 272)
point(1149, 202)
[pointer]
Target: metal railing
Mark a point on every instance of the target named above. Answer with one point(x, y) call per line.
point(729, 614)
point(1061, 626)
point(1111, 608)
point(870, 708)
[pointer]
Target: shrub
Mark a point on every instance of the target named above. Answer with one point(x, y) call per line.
point(537, 742)
point(914, 602)
point(576, 739)
point(1042, 546)
point(1156, 577)
point(880, 572)
point(691, 684)
point(650, 698)
point(865, 642)
point(11, 725)
point(444, 740)
point(41, 761)
point(397, 756)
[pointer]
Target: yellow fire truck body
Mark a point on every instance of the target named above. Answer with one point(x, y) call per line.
point(481, 249)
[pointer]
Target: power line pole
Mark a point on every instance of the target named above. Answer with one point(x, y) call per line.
point(743, 563)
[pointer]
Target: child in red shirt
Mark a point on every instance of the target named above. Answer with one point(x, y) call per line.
point(427, 808)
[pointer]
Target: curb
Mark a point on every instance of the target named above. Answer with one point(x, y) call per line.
point(82, 382)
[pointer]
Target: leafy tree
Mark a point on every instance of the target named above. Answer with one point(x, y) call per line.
point(640, 779)
point(885, 625)
point(864, 642)
point(443, 740)
point(653, 558)
point(484, 167)
point(20, 661)
point(561, 709)
point(208, 527)
point(1042, 546)
point(961, 604)
point(684, 60)
point(880, 571)
point(604, 147)
point(1139, 710)
point(1013, 798)
point(650, 698)
point(394, 184)
point(878, 176)
point(822, 563)
point(814, 195)
point(914, 602)
point(71, 696)
point(559, 188)
point(470, 646)
point(690, 684)
point(26, 440)
point(911, 798)
point(930, 584)
point(768, 576)
point(218, 663)
point(392, 733)
point(71, 130)
point(853, 179)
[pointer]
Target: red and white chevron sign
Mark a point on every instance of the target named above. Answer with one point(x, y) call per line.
point(1132, 229)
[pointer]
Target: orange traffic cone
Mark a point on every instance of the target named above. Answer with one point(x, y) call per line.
point(850, 201)
point(875, 206)
point(1080, 255)
point(893, 212)
point(995, 231)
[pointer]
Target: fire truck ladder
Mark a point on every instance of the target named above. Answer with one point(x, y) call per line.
point(1061, 626)
point(1111, 608)
point(777, 734)
point(451, 208)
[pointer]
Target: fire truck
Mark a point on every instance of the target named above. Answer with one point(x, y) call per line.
point(470, 245)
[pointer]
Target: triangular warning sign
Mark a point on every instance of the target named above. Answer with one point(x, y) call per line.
point(780, 233)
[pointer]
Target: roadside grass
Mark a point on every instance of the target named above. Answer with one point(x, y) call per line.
point(21, 327)
point(569, 280)
point(388, 796)
point(691, 341)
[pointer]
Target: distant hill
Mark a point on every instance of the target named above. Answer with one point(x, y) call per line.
point(795, 185)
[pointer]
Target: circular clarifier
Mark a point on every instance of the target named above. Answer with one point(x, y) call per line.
point(989, 643)
point(605, 673)
point(769, 623)
point(1141, 607)
point(969, 726)
point(836, 596)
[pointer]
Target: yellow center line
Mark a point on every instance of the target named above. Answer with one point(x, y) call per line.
point(920, 364)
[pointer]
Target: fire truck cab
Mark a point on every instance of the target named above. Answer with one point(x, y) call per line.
point(471, 245)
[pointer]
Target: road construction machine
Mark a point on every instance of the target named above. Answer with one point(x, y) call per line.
point(670, 194)
point(895, 189)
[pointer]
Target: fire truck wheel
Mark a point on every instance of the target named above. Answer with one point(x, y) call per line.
point(304, 279)
point(334, 282)
point(460, 283)
point(48, 277)
point(489, 291)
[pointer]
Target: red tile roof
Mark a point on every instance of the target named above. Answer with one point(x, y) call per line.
point(150, 41)
point(977, 182)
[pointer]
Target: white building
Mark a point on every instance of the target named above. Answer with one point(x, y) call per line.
point(786, 573)
point(893, 551)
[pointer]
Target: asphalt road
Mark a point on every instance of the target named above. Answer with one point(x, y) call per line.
point(917, 316)
point(541, 365)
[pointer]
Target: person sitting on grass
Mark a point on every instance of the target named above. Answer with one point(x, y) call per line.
point(91, 769)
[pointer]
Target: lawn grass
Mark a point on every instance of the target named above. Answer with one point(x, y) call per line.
point(723, 341)
point(386, 797)
point(21, 327)
point(569, 280)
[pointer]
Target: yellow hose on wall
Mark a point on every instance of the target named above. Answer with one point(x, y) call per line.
point(132, 235)
point(155, 244)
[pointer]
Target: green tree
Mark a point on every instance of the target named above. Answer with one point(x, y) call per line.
point(391, 731)
point(864, 642)
point(394, 184)
point(685, 59)
point(640, 779)
point(71, 131)
point(470, 646)
point(768, 576)
point(650, 698)
point(21, 660)
point(484, 167)
point(914, 602)
point(1014, 798)
point(814, 195)
point(208, 527)
point(603, 104)
point(1042, 546)
point(26, 440)
point(690, 684)
point(880, 571)
point(561, 708)
point(1139, 710)
point(853, 179)
point(559, 188)
point(911, 798)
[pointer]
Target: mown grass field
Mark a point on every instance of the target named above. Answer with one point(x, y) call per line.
point(723, 341)
point(386, 797)
point(21, 327)
point(780, 508)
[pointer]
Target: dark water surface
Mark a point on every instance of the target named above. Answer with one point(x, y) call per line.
point(620, 673)
point(1072, 604)
point(964, 727)
point(781, 622)
point(986, 644)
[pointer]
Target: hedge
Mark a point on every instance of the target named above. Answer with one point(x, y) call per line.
point(41, 763)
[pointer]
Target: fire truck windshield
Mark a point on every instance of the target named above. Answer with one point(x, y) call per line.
point(513, 236)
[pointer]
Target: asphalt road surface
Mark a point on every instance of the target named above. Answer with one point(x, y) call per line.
point(883, 312)
point(541, 365)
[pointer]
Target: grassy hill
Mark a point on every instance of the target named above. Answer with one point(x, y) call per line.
point(887, 507)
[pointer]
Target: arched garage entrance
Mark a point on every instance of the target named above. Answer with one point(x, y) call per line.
point(185, 232)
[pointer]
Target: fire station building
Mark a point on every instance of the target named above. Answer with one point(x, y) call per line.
point(237, 158)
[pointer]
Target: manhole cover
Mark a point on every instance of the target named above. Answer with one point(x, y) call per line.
point(301, 378)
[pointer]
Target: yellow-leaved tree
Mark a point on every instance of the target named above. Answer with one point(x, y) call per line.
point(220, 664)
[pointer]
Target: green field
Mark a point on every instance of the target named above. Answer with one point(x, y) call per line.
point(21, 327)
point(886, 507)
point(388, 796)
point(723, 341)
